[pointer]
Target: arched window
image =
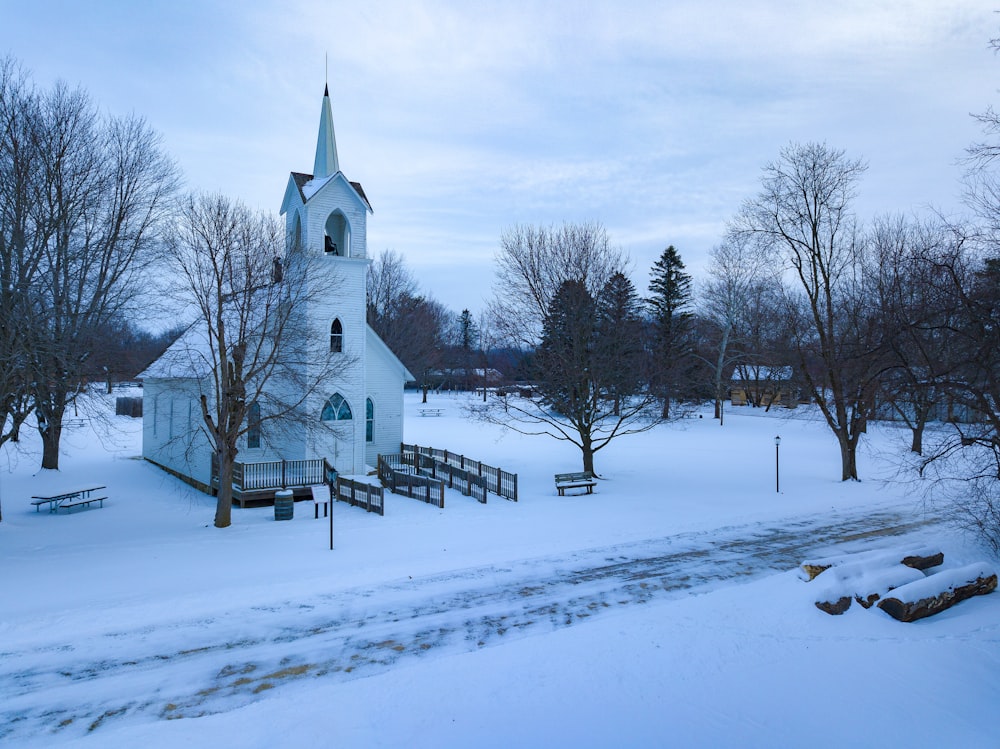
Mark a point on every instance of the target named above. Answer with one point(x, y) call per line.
point(336, 337)
point(295, 237)
point(336, 409)
point(337, 235)
point(253, 425)
point(369, 421)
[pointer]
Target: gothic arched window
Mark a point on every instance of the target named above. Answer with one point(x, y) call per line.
point(336, 409)
point(253, 425)
point(336, 337)
point(369, 421)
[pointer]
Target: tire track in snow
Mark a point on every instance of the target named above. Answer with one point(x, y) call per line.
point(241, 654)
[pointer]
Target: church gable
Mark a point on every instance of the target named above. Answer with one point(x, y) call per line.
point(338, 184)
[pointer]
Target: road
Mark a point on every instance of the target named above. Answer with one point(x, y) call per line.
point(233, 657)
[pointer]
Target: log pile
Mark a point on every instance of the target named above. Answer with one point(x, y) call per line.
point(918, 599)
point(869, 577)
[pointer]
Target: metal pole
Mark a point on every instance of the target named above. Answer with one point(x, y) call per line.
point(777, 473)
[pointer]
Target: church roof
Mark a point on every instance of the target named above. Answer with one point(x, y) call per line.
point(301, 180)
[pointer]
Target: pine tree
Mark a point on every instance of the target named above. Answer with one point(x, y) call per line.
point(619, 338)
point(669, 304)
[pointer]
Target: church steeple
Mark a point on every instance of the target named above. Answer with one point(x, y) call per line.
point(327, 163)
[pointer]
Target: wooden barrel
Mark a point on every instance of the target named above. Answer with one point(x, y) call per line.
point(284, 505)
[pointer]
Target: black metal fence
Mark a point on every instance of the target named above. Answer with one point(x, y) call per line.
point(359, 494)
point(401, 478)
point(496, 480)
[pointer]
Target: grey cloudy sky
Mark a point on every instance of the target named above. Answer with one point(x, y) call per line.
point(462, 118)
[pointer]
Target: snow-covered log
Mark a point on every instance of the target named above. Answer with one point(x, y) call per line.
point(920, 558)
point(938, 592)
point(864, 582)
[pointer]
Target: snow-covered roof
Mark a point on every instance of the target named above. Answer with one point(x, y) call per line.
point(375, 342)
point(308, 186)
point(188, 357)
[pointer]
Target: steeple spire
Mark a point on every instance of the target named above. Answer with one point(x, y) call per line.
point(327, 163)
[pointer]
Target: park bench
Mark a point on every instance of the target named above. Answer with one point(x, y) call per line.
point(69, 499)
point(431, 411)
point(579, 480)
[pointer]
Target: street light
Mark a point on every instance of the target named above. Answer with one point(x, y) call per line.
point(777, 475)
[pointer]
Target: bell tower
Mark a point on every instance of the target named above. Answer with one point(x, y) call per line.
point(326, 217)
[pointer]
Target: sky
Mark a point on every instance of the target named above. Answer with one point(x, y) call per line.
point(461, 119)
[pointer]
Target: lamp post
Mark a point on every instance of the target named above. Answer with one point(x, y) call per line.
point(777, 474)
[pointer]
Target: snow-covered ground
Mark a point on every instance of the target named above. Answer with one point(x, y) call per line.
point(664, 610)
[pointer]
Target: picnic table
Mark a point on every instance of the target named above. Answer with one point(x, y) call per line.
point(74, 498)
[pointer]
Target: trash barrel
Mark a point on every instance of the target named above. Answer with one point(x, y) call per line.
point(284, 505)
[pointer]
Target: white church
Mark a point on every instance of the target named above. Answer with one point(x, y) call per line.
point(327, 215)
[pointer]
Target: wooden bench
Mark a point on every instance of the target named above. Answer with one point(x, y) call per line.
point(69, 499)
point(431, 411)
point(579, 480)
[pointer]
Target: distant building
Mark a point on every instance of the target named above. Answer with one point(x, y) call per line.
point(763, 386)
point(327, 214)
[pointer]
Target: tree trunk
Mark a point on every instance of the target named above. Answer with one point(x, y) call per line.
point(424, 389)
point(224, 501)
point(917, 445)
point(848, 459)
point(50, 445)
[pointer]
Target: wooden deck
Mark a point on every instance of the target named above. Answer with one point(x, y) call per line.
point(254, 484)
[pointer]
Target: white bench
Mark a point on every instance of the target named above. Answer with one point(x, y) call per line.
point(431, 411)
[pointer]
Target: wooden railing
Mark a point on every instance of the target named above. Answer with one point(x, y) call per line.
point(465, 481)
point(497, 480)
point(359, 494)
point(400, 478)
point(275, 474)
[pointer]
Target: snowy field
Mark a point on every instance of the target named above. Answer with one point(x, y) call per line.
point(663, 611)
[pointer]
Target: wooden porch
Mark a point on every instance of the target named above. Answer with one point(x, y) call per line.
point(254, 484)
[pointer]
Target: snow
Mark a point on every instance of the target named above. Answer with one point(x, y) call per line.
point(664, 609)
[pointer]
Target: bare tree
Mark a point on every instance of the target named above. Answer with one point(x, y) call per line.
point(737, 272)
point(533, 263)
point(389, 282)
point(412, 325)
point(804, 211)
point(584, 395)
point(24, 232)
point(102, 190)
point(913, 267)
point(251, 348)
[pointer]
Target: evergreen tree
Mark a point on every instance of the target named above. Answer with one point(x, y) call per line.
point(669, 303)
point(619, 338)
point(468, 334)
